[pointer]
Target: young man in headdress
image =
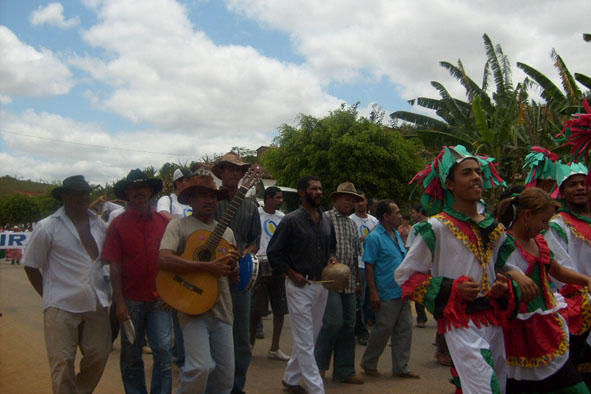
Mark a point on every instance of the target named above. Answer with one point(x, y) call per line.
point(450, 268)
point(569, 239)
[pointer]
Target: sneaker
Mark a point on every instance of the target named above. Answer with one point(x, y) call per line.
point(277, 355)
point(260, 334)
point(421, 324)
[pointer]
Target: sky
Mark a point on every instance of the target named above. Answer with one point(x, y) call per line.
point(99, 87)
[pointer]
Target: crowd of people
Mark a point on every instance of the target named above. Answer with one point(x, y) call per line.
point(509, 291)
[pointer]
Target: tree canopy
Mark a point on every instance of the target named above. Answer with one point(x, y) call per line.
point(343, 147)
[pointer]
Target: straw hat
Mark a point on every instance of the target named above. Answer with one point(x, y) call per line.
point(229, 158)
point(346, 188)
point(200, 183)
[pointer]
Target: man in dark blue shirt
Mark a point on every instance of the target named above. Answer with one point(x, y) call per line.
point(302, 245)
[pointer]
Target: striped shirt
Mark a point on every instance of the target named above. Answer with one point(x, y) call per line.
point(245, 224)
point(348, 245)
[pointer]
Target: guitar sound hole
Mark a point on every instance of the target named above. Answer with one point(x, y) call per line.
point(204, 255)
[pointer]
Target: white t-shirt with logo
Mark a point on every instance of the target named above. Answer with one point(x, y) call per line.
point(175, 208)
point(365, 226)
point(269, 222)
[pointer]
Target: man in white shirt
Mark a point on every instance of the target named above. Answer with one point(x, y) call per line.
point(169, 206)
point(271, 287)
point(365, 223)
point(62, 262)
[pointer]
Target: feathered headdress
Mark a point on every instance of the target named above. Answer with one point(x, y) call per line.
point(435, 194)
point(542, 165)
point(577, 133)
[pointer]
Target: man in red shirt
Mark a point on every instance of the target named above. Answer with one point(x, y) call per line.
point(131, 247)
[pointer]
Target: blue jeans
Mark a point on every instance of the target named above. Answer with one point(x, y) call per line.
point(178, 350)
point(337, 335)
point(241, 333)
point(209, 356)
point(148, 319)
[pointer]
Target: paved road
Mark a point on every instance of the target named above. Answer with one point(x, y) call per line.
point(24, 368)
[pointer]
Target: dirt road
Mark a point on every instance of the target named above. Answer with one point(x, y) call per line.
point(24, 368)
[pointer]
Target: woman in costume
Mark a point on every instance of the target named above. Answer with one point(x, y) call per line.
point(537, 341)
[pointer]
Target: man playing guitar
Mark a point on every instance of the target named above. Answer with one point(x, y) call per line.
point(208, 336)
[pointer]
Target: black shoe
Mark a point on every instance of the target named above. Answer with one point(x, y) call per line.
point(294, 388)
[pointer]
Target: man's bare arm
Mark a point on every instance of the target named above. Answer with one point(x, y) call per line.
point(36, 279)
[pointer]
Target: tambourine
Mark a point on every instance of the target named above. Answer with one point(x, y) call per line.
point(248, 272)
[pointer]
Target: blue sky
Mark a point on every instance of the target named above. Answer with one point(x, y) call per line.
point(184, 79)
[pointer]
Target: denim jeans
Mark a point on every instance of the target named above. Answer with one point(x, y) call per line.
point(178, 350)
point(361, 329)
point(337, 335)
point(209, 356)
point(148, 319)
point(241, 333)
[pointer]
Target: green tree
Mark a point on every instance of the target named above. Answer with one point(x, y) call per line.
point(502, 124)
point(46, 204)
point(343, 147)
point(18, 209)
point(248, 155)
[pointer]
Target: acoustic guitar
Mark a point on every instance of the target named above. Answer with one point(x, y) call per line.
point(195, 293)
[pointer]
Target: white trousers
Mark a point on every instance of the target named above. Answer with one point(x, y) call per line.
point(479, 357)
point(306, 309)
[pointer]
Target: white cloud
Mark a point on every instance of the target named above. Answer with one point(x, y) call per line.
point(405, 41)
point(25, 71)
point(166, 74)
point(52, 15)
point(52, 147)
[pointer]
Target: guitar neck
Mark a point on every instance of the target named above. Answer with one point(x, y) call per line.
point(224, 222)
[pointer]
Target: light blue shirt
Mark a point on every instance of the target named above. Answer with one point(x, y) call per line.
point(385, 255)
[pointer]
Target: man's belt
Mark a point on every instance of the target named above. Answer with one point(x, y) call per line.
point(313, 277)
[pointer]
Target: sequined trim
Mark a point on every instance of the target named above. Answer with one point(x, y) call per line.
point(534, 362)
point(418, 294)
point(574, 229)
point(483, 256)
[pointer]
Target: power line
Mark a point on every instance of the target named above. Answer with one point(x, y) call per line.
point(94, 146)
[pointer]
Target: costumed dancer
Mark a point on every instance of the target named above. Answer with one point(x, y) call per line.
point(569, 238)
point(537, 341)
point(459, 246)
point(570, 234)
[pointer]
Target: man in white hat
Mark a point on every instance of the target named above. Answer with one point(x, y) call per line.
point(170, 207)
point(337, 334)
point(62, 262)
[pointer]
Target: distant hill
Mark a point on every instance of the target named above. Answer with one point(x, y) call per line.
point(9, 185)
